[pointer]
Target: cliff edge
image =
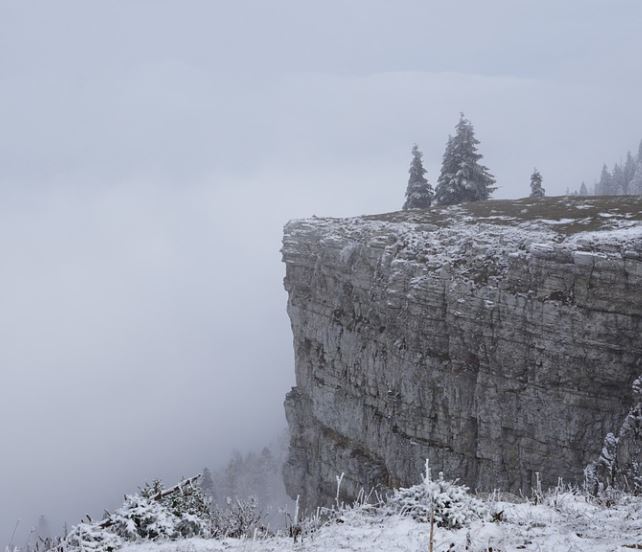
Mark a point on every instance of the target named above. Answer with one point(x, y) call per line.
point(497, 339)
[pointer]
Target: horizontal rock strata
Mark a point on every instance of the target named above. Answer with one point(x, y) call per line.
point(497, 339)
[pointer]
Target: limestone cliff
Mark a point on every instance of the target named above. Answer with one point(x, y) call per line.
point(497, 339)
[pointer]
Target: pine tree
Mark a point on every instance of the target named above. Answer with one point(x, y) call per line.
point(462, 178)
point(232, 476)
point(636, 181)
point(43, 531)
point(207, 483)
point(640, 153)
point(419, 192)
point(583, 190)
point(618, 182)
point(628, 173)
point(605, 184)
point(536, 185)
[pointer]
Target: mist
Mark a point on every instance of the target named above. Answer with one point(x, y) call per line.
point(150, 153)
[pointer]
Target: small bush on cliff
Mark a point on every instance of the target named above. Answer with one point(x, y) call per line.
point(189, 506)
point(143, 518)
point(153, 514)
point(240, 518)
point(90, 537)
point(453, 505)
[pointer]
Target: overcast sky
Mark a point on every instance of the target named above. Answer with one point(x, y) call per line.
point(150, 153)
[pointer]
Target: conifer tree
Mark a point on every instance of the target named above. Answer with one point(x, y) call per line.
point(419, 192)
point(583, 190)
point(636, 181)
point(42, 530)
point(536, 184)
point(605, 184)
point(233, 475)
point(618, 181)
point(628, 171)
point(207, 483)
point(462, 177)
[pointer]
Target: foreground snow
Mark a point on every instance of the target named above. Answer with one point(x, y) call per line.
point(564, 522)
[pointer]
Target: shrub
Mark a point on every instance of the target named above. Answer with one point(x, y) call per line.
point(240, 518)
point(90, 537)
point(453, 505)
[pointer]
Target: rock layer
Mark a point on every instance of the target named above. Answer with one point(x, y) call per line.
point(497, 339)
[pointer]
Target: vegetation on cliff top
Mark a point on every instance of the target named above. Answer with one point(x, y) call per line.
point(565, 215)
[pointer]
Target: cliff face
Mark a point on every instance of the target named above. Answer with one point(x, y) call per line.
point(497, 339)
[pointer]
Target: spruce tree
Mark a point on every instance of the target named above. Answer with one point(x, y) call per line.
point(605, 184)
point(419, 192)
point(42, 530)
point(536, 184)
point(628, 172)
point(583, 190)
point(233, 476)
point(636, 181)
point(462, 177)
point(207, 483)
point(618, 181)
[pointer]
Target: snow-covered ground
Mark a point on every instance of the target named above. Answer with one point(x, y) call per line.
point(500, 231)
point(564, 522)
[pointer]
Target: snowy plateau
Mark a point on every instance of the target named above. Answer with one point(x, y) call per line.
point(565, 522)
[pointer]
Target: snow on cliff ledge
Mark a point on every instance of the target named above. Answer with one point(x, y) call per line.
point(496, 228)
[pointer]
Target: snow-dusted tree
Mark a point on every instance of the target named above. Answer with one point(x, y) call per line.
point(462, 177)
point(618, 183)
point(628, 172)
point(636, 182)
point(239, 518)
point(90, 537)
point(42, 530)
point(229, 480)
point(207, 483)
point(142, 517)
point(605, 185)
point(419, 192)
point(450, 503)
point(189, 501)
point(583, 190)
point(536, 185)
point(188, 505)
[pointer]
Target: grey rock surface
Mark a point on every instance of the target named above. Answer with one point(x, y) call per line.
point(497, 339)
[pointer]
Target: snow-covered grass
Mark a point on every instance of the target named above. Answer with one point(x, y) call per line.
point(480, 241)
point(569, 215)
point(563, 522)
point(560, 520)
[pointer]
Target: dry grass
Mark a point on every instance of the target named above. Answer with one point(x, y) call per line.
point(568, 214)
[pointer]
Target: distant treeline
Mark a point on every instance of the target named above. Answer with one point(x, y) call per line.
point(255, 474)
point(625, 178)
